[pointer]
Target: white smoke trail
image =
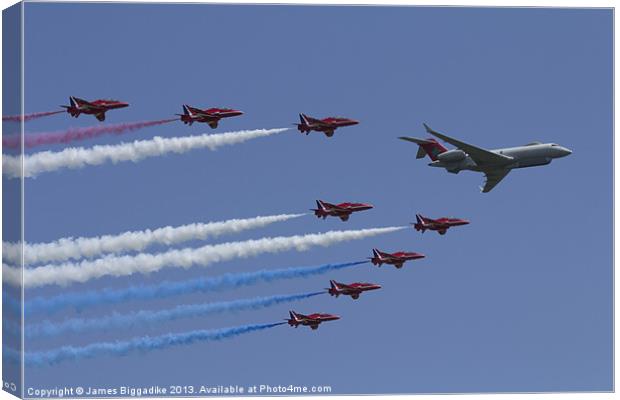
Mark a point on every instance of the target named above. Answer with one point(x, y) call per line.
point(80, 157)
point(67, 273)
point(88, 247)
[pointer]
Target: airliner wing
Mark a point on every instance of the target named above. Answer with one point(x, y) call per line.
point(493, 177)
point(480, 156)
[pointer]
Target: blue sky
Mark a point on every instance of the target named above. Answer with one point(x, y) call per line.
point(520, 300)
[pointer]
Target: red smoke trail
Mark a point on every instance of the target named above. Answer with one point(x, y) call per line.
point(74, 134)
point(28, 117)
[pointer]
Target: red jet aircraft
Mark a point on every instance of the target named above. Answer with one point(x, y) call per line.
point(325, 125)
point(210, 116)
point(312, 320)
point(352, 289)
point(440, 225)
point(342, 210)
point(97, 108)
point(395, 259)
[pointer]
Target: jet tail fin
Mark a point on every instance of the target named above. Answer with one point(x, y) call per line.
point(76, 102)
point(430, 147)
point(333, 284)
point(74, 107)
point(303, 119)
point(73, 103)
point(293, 315)
point(420, 224)
point(419, 219)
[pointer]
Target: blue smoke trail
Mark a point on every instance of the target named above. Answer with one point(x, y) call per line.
point(143, 343)
point(125, 321)
point(169, 289)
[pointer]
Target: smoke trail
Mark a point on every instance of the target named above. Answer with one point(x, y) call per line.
point(169, 289)
point(63, 274)
point(87, 247)
point(75, 134)
point(144, 343)
point(127, 321)
point(28, 117)
point(80, 157)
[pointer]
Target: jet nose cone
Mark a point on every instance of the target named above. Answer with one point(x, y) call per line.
point(565, 152)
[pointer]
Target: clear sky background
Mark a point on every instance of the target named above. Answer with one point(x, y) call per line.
point(520, 300)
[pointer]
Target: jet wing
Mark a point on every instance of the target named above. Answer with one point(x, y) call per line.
point(203, 114)
point(197, 112)
point(314, 120)
point(331, 206)
point(319, 123)
point(493, 177)
point(91, 106)
point(80, 102)
point(343, 286)
point(480, 156)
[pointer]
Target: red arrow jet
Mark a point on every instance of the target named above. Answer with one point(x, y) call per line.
point(342, 210)
point(97, 108)
point(325, 125)
point(210, 116)
point(352, 289)
point(312, 320)
point(396, 259)
point(440, 225)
